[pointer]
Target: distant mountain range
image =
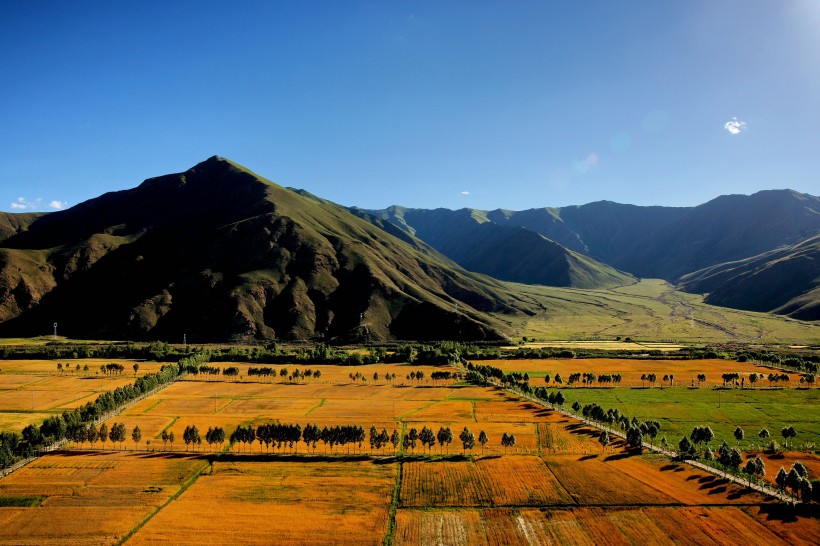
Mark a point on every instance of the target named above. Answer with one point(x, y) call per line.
point(602, 244)
point(220, 253)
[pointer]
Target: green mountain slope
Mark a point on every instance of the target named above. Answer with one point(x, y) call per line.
point(784, 281)
point(510, 253)
point(217, 252)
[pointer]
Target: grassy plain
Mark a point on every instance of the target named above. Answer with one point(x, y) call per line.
point(680, 409)
point(650, 310)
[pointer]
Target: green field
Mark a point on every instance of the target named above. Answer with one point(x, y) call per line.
point(679, 409)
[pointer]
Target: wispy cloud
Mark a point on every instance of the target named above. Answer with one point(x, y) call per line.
point(465, 193)
point(735, 126)
point(36, 204)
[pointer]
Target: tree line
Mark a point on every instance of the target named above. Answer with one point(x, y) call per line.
point(77, 424)
point(285, 438)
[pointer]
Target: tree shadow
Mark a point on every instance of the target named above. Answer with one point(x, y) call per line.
point(588, 457)
point(620, 456)
point(785, 513)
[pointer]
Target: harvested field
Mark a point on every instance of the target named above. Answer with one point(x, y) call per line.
point(593, 482)
point(287, 502)
point(90, 498)
point(562, 435)
point(773, 462)
point(605, 525)
point(451, 527)
point(684, 483)
point(493, 481)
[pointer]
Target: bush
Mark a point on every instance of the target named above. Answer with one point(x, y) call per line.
point(772, 447)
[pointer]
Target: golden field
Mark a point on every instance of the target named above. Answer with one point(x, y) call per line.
point(556, 485)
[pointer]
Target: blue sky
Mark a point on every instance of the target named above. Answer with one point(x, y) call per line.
point(424, 104)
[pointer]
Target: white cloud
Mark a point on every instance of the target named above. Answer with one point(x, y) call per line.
point(36, 204)
point(735, 126)
point(465, 193)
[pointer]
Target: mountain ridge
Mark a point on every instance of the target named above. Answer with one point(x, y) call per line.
point(179, 253)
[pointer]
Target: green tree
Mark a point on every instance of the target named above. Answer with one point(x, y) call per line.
point(780, 479)
point(445, 436)
point(507, 440)
point(394, 439)
point(603, 439)
point(685, 448)
point(92, 434)
point(787, 432)
point(427, 438)
point(103, 434)
point(136, 368)
point(467, 439)
point(482, 439)
point(136, 435)
point(739, 434)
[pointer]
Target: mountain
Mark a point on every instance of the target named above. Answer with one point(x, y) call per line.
point(784, 281)
point(510, 253)
point(218, 253)
point(669, 242)
point(592, 245)
point(11, 224)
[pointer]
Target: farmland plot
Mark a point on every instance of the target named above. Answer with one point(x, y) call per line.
point(601, 525)
point(283, 502)
point(89, 498)
point(491, 481)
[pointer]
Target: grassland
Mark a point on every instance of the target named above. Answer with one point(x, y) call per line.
point(649, 310)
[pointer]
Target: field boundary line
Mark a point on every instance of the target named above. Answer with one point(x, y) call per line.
point(390, 536)
point(184, 487)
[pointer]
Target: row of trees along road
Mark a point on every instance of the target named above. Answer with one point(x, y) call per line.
point(79, 425)
point(728, 458)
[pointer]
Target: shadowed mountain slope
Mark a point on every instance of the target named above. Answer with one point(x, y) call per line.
point(668, 242)
point(218, 252)
point(510, 253)
point(785, 281)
